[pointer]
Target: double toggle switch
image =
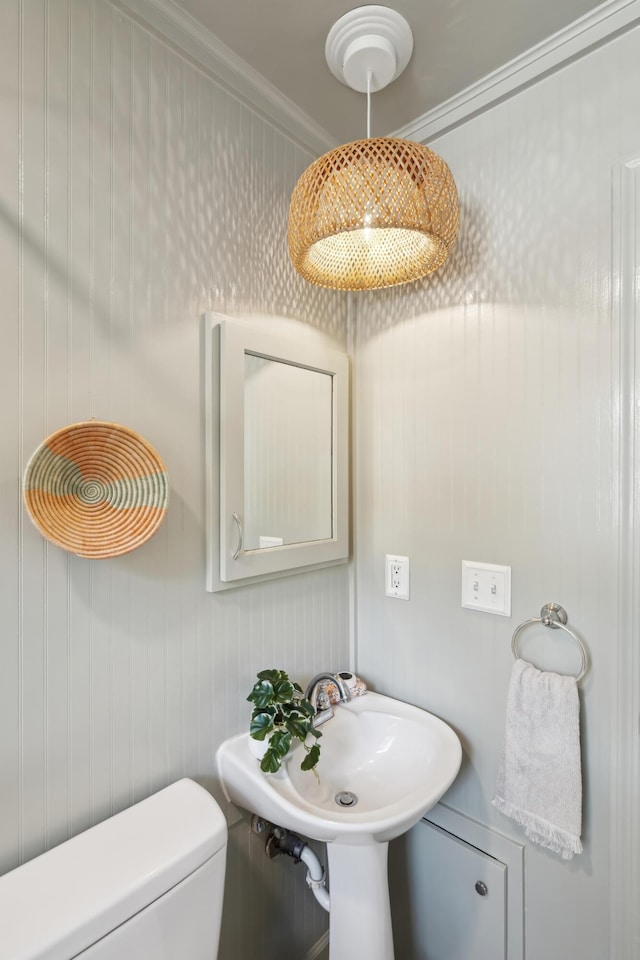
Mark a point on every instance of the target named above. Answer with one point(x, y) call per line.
point(486, 587)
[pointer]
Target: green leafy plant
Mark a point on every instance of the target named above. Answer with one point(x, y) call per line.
point(281, 715)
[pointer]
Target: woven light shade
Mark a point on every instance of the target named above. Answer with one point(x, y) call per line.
point(96, 489)
point(373, 213)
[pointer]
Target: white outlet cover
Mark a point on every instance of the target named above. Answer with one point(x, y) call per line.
point(396, 577)
point(486, 587)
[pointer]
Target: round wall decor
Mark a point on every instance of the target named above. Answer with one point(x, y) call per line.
point(97, 489)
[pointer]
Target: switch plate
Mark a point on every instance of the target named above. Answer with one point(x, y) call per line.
point(486, 587)
point(396, 577)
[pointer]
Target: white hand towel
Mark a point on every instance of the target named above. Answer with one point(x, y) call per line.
point(540, 780)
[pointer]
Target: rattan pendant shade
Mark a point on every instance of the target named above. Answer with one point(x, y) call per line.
point(376, 212)
point(373, 213)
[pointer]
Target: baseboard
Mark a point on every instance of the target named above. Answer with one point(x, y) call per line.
point(320, 949)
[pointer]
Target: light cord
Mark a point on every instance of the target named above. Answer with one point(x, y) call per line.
point(369, 76)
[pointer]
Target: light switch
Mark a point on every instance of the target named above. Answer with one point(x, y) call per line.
point(486, 587)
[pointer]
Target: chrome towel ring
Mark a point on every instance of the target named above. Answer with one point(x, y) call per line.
point(554, 616)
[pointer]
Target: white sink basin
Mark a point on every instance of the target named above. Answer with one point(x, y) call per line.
point(398, 760)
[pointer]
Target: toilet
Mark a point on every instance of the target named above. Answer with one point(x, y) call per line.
point(145, 884)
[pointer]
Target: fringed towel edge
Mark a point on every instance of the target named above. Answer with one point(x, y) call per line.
point(540, 831)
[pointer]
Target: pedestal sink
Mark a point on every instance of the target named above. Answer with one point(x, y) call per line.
point(396, 761)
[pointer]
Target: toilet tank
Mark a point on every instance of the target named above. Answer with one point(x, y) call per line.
point(147, 884)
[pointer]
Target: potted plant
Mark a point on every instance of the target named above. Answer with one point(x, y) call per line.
point(281, 715)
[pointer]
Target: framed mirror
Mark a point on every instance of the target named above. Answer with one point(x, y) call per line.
point(277, 453)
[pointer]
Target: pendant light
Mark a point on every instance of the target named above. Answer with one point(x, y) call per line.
point(376, 212)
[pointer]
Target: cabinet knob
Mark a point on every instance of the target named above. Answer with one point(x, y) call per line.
point(481, 888)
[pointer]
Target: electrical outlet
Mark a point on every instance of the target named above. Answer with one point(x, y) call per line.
point(397, 577)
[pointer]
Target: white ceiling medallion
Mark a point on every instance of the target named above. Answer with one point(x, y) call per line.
point(370, 38)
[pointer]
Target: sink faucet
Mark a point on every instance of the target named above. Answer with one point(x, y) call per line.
point(317, 696)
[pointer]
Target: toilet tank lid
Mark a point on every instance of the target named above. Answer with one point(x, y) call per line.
point(68, 898)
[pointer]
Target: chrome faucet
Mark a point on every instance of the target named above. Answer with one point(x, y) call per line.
point(317, 695)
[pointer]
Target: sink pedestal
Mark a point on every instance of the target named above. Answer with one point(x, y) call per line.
point(360, 915)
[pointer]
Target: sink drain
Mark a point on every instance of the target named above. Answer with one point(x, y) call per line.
point(346, 799)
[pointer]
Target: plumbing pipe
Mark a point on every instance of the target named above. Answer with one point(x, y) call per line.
point(315, 877)
point(295, 846)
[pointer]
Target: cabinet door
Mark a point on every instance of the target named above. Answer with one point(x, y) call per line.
point(277, 452)
point(448, 898)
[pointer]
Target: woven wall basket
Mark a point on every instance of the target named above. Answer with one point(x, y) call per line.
point(96, 489)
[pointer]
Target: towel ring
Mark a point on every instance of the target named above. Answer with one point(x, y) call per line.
point(554, 616)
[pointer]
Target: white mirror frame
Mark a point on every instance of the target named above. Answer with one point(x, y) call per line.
point(226, 341)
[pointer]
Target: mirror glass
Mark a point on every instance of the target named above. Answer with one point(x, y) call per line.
point(288, 412)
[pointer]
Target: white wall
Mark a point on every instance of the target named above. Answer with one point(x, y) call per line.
point(487, 408)
point(136, 193)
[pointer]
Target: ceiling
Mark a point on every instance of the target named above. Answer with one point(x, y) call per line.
point(456, 42)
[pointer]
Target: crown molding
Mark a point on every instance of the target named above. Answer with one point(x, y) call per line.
point(590, 31)
point(167, 19)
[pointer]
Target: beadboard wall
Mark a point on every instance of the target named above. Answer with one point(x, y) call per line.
point(136, 193)
point(487, 422)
